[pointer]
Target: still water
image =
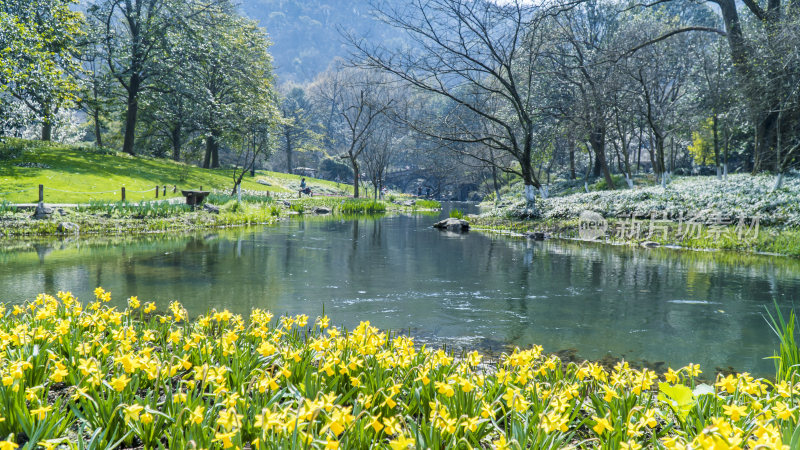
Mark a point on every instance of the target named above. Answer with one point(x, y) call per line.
point(472, 290)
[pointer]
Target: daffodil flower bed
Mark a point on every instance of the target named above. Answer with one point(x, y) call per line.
point(92, 376)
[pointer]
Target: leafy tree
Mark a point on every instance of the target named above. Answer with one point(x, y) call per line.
point(133, 41)
point(38, 42)
point(297, 133)
point(702, 146)
point(232, 70)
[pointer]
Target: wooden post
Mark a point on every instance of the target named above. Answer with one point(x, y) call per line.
point(123, 193)
point(41, 193)
point(165, 190)
point(201, 188)
point(174, 189)
point(156, 191)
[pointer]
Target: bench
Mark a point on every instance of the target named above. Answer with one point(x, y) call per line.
point(194, 198)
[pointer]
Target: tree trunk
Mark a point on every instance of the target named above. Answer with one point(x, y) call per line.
point(288, 136)
point(495, 183)
point(47, 130)
point(210, 144)
point(639, 156)
point(662, 167)
point(597, 139)
point(763, 101)
point(356, 177)
point(131, 113)
point(714, 129)
point(215, 155)
point(176, 143)
point(571, 144)
point(725, 153)
point(97, 133)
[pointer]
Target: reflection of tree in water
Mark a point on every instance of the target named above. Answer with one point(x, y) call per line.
point(49, 280)
point(42, 251)
point(352, 260)
point(129, 276)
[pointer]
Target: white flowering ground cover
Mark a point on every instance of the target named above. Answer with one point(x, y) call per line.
point(739, 195)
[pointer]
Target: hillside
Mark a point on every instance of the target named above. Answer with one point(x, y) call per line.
point(305, 33)
point(78, 174)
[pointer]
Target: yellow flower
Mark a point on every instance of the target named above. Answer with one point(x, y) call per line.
point(229, 420)
point(375, 424)
point(196, 416)
point(59, 373)
point(119, 383)
point(41, 412)
point(734, 411)
point(146, 418)
point(401, 443)
point(610, 394)
point(602, 425)
point(131, 413)
point(501, 444)
point(133, 302)
point(474, 358)
point(692, 370)
point(225, 438)
point(331, 444)
point(8, 445)
point(671, 376)
point(783, 412)
point(630, 445)
point(728, 384)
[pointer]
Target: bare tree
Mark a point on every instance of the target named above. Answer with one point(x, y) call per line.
point(255, 142)
point(365, 99)
point(584, 58)
point(468, 52)
point(662, 86)
point(379, 154)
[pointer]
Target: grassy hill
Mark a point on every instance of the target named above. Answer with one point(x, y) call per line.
point(79, 174)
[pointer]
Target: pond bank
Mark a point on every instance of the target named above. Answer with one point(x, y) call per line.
point(145, 218)
point(748, 237)
point(743, 213)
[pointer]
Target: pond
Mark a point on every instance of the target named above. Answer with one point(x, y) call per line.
point(478, 290)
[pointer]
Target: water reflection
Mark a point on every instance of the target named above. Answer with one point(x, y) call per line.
point(467, 290)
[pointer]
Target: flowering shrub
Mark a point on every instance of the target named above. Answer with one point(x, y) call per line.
point(740, 194)
point(139, 378)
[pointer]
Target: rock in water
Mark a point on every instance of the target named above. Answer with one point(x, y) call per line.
point(321, 210)
point(650, 244)
point(68, 227)
point(537, 236)
point(452, 224)
point(42, 211)
point(211, 208)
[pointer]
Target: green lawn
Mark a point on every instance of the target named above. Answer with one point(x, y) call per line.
point(78, 174)
point(291, 182)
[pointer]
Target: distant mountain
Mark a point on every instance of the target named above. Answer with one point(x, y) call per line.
point(305, 33)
